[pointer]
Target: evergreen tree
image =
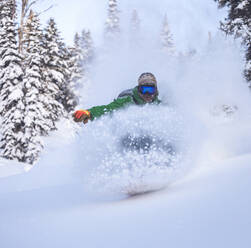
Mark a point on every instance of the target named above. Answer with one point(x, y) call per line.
point(55, 72)
point(82, 55)
point(6, 9)
point(76, 69)
point(12, 94)
point(248, 65)
point(135, 29)
point(37, 117)
point(135, 22)
point(76, 63)
point(86, 45)
point(112, 24)
point(166, 38)
point(238, 23)
point(68, 98)
point(87, 50)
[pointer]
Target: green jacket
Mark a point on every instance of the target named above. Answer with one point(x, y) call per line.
point(121, 102)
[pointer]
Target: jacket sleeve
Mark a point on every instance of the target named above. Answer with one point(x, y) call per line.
point(103, 109)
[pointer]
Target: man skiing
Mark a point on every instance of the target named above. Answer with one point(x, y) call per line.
point(145, 92)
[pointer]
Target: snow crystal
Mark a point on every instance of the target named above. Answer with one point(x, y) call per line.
point(117, 167)
point(242, 4)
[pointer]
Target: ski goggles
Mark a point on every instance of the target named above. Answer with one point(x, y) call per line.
point(144, 89)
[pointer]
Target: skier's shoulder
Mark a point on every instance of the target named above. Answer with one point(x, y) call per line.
point(129, 95)
point(126, 93)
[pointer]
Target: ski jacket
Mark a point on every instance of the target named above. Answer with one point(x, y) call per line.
point(125, 99)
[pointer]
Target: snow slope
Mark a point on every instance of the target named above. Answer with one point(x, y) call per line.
point(9, 168)
point(208, 209)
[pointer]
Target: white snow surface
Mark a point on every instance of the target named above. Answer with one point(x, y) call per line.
point(242, 4)
point(209, 207)
point(75, 196)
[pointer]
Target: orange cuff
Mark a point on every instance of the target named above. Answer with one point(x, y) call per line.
point(86, 112)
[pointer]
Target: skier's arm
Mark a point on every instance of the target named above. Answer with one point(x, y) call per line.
point(103, 109)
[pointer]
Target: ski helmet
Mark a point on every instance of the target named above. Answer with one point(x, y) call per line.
point(147, 78)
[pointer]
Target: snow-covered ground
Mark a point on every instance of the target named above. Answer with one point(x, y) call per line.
point(9, 168)
point(210, 207)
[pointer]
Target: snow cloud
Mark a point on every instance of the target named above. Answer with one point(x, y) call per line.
point(205, 87)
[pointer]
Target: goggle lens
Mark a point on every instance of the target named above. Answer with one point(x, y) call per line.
point(144, 89)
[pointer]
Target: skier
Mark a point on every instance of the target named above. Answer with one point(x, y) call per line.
point(145, 92)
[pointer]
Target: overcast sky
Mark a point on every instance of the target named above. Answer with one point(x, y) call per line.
point(189, 19)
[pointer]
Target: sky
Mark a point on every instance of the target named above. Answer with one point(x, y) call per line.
point(200, 16)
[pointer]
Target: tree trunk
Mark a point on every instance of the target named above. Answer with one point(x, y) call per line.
point(21, 27)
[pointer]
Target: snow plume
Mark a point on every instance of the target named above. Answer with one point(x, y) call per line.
point(206, 88)
point(204, 92)
point(132, 151)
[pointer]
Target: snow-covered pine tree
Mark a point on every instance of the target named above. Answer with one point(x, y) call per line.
point(135, 22)
point(238, 23)
point(134, 29)
point(167, 38)
point(112, 24)
point(55, 71)
point(68, 98)
point(76, 69)
point(2, 37)
point(37, 117)
point(82, 55)
point(12, 93)
point(87, 47)
point(248, 65)
point(6, 6)
point(88, 56)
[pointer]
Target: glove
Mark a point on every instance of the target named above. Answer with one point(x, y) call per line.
point(82, 115)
